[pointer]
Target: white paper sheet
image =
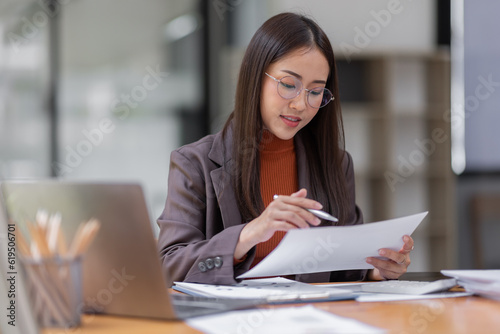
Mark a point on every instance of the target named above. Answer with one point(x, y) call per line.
point(478, 276)
point(485, 283)
point(391, 297)
point(334, 247)
point(298, 320)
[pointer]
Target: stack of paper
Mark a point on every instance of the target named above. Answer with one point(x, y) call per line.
point(485, 283)
point(270, 290)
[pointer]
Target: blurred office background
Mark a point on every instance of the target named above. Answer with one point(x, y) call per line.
point(106, 89)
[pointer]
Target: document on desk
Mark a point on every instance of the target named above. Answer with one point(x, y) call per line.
point(334, 248)
point(275, 290)
point(485, 283)
point(299, 320)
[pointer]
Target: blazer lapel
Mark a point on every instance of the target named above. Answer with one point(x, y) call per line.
point(221, 179)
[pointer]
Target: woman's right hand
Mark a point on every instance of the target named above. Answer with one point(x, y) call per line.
point(282, 214)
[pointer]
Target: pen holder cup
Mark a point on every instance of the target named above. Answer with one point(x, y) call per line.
point(55, 290)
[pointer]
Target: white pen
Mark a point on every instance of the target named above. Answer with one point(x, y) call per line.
point(319, 213)
point(323, 215)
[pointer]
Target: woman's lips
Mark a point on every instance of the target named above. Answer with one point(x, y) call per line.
point(291, 121)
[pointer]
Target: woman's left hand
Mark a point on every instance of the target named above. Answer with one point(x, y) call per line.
point(396, 263)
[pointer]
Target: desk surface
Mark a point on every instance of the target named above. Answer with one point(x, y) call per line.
point(451, 315)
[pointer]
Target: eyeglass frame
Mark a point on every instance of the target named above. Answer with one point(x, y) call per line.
point(300, 90)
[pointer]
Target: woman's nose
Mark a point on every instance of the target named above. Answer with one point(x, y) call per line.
point(300, 101)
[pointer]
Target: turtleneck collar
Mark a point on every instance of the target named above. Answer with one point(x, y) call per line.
point(272, 144)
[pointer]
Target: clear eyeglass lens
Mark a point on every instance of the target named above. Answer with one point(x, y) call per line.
point(315, 97)
point(289, 87)
point(319, 97)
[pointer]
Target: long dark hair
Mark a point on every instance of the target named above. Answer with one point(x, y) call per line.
point(323, 137)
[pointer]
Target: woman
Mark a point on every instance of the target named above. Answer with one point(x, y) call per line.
point(284, 137)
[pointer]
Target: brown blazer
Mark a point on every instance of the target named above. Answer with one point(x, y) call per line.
point(201, 223)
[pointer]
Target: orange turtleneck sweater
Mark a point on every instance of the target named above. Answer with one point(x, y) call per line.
point(278, 175)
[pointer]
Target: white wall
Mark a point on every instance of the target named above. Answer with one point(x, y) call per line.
point(390, 25)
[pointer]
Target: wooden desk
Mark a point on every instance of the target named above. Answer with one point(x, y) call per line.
point(452, 315)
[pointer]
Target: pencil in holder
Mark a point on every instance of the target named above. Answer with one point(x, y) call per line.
point(55, 290)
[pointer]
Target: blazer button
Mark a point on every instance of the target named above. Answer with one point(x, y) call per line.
point(209, 263)
point(202, 266)
point(218, 262)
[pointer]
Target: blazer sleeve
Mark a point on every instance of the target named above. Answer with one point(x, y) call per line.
point(193, 243)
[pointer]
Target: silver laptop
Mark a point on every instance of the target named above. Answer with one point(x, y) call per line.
point(122, 273)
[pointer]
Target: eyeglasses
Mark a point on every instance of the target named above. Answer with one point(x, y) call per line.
point(290, 87)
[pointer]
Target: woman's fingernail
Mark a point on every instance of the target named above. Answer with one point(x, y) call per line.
point(381, 252)
point(317, 221)
point(318, 205)
point(368, 260)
